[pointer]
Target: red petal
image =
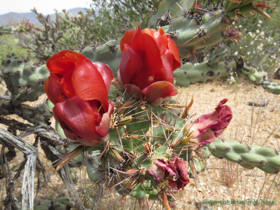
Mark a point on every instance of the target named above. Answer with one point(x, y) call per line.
point(182, 168)
point(175, 52)
point(157, 91)
point(53, 90)
point(80, 118)
point(209, 126)
point(130, 63)
point(89, 84)
point(156, 172)
point(166, 72)
point(67, 131)
point(148, 51)
point(66, 84)
point(159, 37)
point(127, 38)
point(106, 74)
point(64, 61)
point(206, 137)
point(133, 91)
point(169, 168)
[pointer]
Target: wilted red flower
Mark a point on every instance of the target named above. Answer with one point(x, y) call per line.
point(148, 60)
point(235, 34)
point(174, 170)
point(208, 127)
point(79, 90)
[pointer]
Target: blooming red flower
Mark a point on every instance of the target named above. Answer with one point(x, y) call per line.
point(148, 60)
point(175, 171)
point(79, 90)
point(209, 126)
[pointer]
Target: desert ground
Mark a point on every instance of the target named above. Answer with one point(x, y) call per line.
point(222, 180)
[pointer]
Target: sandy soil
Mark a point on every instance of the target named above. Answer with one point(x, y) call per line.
point(222, 180)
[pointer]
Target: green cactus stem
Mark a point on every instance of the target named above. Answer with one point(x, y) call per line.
point(271, 87)
point(266, 159)
point(24, 79)
point(243, 7)
point(210, 69)
point(34, 115)
point(6, 30)
point(108, 53)
point(62, 203)
point(197, 29)
point(176, 8)
point(250, 73)
point(199, 164)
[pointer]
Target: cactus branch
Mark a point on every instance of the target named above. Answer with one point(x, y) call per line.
point(266, 159)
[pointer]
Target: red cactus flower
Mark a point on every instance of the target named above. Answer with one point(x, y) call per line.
point(175, 171)
point(208, 127)
point(148, 60)
point(79, 90)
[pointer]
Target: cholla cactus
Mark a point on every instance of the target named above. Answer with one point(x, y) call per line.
point(24, 26)
point(142, 143)
point(148, 141)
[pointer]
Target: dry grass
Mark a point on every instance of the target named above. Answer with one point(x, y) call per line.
point(221, 180)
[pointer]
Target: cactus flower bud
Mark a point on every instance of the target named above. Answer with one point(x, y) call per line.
point(79, 90)
point(148, 60)
point(208, 127)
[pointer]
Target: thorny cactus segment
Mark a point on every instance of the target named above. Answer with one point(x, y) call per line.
point(250, 73)
point(198, 29)
point(198, 161)
point(35, 115)
point(62, 203)
point(239, 8)
point(108, 53)
point(24, 78)
point(272, 87)
point(190, 73)
point(6, 30)
point(167, 7)
point(143, 157)
point(266, 159)
point(24, 26)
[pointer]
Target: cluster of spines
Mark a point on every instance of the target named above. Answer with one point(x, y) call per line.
point(135, 143)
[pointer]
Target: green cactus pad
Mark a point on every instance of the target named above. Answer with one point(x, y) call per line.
point(266, 159)
point(23, 78)
point(108, 53)
point(271, 87)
